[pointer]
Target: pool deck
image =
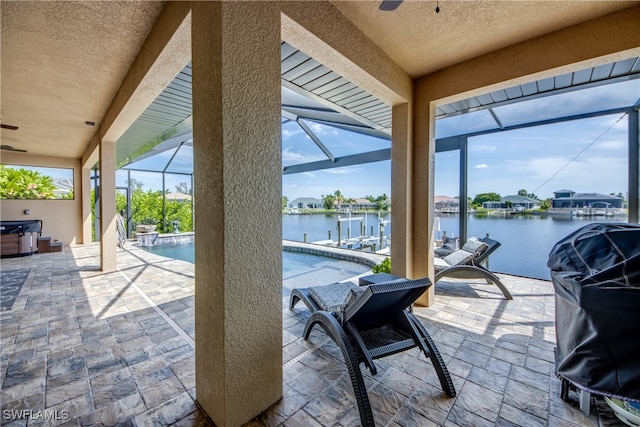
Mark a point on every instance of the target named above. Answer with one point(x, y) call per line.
point(118, 349)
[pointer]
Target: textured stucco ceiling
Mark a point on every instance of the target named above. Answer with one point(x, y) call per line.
point(62, 63)
point(422, 41)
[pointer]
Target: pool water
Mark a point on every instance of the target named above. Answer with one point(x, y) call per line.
point(298, 270)
point(185, 252)
point(304, 270)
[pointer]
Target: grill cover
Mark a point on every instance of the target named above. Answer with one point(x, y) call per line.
point(596, 275)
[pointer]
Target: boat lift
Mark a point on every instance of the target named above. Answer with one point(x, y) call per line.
point(363, 240)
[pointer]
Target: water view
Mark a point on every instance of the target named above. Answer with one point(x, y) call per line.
point(526, 239)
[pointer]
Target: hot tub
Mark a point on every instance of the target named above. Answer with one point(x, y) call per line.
point(19, 237)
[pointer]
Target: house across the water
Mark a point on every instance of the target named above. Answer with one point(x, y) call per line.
point(304, 203)
point(514, 202)
point(571, 199)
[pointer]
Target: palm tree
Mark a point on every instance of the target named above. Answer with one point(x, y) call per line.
point(328, 201)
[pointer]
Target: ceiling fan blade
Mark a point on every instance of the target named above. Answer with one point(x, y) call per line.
point(10, 148)
point(388, 5)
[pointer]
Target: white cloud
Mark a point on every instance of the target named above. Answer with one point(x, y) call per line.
point(613, 144)
point(483, 148)
point(342, 171)
point(288, 133)
point(588, 174)
point(322, 130)
point(481, 166)
point(288, 155)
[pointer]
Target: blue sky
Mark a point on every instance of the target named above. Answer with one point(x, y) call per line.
point(353, 181)
point(588, 155)
point(542, 160)
point(503, 162)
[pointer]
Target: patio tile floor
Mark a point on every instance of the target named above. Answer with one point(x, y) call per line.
point(117, 348)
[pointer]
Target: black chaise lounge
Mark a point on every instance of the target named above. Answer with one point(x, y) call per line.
point(368, 323)
point(466, 263)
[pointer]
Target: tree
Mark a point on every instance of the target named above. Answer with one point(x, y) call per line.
point(121, 202)
point(382, 202)
point(183, 188)
point(146, 205)
point(525, 193)
point(25, 184)
point(486, 197)
point(545, 204)
point(285, 202)
point(134, 184)
point(338, 197)
point(328, 201)
point(180, 211)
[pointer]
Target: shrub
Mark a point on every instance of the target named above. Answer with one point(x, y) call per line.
point(383, 267)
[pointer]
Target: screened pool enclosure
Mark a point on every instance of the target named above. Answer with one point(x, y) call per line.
point(329, 122)
point(157, 188)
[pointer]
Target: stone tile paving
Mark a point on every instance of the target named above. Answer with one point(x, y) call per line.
point(91, 347)
point(117, 349)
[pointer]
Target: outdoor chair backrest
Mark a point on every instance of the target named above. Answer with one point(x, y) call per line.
point(383, 301)
point(473, 252)
point(492, 245)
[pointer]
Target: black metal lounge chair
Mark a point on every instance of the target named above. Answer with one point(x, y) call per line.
point(368, 323)
point(466, 263)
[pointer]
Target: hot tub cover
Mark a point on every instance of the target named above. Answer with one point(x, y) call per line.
point(596, 277)
point(21, 226)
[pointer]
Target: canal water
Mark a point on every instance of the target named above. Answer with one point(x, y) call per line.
point(526, 239)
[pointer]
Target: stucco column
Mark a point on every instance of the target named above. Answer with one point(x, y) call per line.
point(85, 186)
point(108, 259)
point(423, 193)
point(412, 181)
point(237, 163)
point(401, 190)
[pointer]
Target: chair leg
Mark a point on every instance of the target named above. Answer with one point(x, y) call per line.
point(295, 297)
point(302, 294)
point(496, 281)
point(473, 272)
point(436, 359)
point(338, 335)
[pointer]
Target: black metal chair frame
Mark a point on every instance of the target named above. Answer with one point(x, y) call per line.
point(377, 324)
point(474, 269)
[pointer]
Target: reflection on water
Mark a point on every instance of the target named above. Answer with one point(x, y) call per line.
point(526, 239)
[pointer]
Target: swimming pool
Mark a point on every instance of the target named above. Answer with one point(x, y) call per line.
point(298, 269)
